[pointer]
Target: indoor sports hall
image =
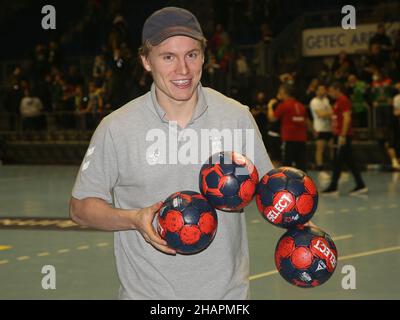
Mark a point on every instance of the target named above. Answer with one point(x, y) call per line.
point(64, 68)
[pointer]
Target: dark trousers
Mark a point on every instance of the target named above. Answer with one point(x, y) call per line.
point(294, 154)
point(344, 155)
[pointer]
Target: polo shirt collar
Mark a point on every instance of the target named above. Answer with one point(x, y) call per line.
point(200, 108)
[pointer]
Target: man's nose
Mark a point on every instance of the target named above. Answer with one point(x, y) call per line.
point(182, 67)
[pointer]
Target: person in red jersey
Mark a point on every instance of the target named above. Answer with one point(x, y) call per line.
point(342, 132)
point(293, 118)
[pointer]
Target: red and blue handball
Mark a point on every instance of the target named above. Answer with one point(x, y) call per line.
point(305, 256)
point(187, 222)
point(228, 180)
point(287, 197)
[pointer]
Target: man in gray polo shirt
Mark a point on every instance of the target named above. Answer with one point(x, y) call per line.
point(154, 146)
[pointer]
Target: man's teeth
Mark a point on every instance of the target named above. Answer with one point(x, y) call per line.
point(181, 82)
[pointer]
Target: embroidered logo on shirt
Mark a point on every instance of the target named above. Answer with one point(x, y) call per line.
point(85, 165)
point(90, 151)
point(88, 154)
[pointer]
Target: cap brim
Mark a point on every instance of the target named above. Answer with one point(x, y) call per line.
point(176, 31)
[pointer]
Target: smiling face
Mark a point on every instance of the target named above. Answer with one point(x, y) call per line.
point(176, 66)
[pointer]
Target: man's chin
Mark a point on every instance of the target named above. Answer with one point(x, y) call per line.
point(183, 97)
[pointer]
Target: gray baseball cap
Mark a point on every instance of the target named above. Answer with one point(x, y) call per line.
point(169, 22)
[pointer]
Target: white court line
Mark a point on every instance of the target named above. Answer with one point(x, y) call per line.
point(344, 237)
point(43, 254)
point(369, 253)
point(23, 258)
point(63, 250)
point(103, 244)
point(85, 247)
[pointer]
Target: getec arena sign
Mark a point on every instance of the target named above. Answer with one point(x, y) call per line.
point(330, 41)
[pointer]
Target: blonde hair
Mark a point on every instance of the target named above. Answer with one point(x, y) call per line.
point(146, 47)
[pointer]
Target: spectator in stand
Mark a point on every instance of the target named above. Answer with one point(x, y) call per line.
point(95, 108)
point(262, 54)
point(396, 123)
point(381, 95)
point(118, 79)
point(394, 70)
point(57, 91)
point(31, 110)
point(81, 100)
point(74, 76)
point(380, 38)
point(311, 90)
point(274, 141)
point(54, 54)
point(40, 64)
point(288, 78)
point(212, 69)
point(293, 117)
point(242, 77)
point(374, 60)
point(322, 114)
point(216, 40)
point(342, 67)
point(393, 132)
point(342, 135)
point(358, 90)
point(260, 114)
point(224, 55)
point(120, 32)
point(43, 91)
point(99, 68)
point(14, 93)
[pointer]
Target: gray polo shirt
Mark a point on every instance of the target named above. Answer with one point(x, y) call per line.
point(136, 158)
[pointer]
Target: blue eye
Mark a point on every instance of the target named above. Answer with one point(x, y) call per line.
point(168, 58)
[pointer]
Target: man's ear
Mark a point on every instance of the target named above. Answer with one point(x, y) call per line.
point(146, 63)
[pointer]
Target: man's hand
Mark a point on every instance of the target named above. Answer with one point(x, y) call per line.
point(272, 102)
point(143, 222)
point(311, 224)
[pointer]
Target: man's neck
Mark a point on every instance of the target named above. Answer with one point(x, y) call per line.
point(179, 111)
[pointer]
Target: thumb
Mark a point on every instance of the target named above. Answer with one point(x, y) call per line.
point(155, 207)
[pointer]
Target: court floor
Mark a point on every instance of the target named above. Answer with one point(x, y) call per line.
point(365, 230)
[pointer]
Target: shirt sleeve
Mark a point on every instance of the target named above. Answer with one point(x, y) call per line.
point(256, 152)
point(314, 106)
point(279, 111)
point(345, 105)
point(98, 173)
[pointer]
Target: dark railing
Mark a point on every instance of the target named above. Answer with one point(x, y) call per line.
point(52, 125)
point(50, 122)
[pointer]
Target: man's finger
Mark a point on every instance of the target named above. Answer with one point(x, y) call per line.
point(155, 237)
point(145, 237)
point(163, 248)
